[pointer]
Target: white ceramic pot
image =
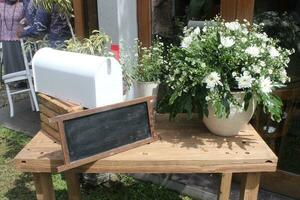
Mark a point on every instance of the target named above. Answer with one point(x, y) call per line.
point(236, 120)
point(143, 89)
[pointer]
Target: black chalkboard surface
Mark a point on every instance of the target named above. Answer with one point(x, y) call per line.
point(97, 133)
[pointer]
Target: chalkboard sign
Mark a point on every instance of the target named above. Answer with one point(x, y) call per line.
point(97, 133)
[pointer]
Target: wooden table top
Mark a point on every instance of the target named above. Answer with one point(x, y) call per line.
point(186, 146)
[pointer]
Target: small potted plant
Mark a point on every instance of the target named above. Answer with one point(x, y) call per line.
point(223, 71)
point(144, 71)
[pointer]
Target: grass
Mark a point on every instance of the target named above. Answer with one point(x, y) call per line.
point(15, 185)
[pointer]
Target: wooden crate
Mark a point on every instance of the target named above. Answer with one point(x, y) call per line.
point(51, 107)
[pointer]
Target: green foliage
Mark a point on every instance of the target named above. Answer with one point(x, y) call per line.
point(151, 62)
point(222, 58)
point(96, 44)
point(283, 27)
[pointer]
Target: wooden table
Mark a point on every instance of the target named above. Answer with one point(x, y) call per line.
point(186, 146)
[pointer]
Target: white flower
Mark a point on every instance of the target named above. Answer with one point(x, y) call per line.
point(270, 71)
point(186, 42)
point(234, 74)
point(207, 98)
point(273, 52)
point(232, 26)
point(265, 84)
point(256, 69)
point(196, 31)
point(261, 36)
point(244, 39)
point(253, 51)
point(262, 63)
point(245, 31)
point(212, 80)
point(283, 75)
point(204, 29)
point(245, 81)
point(227, 41)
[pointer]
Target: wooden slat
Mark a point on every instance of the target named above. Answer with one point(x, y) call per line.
point(47, 111)
point(79, 18)
point(228, 9)
point(196, 149)
point(44, 186)
point(282, 182)
point(225, 186)
point(245, 10)
point(144, 14)
point(45, 120)
point(50, 132)
point(73, 185)
point(250, 187)
point(58, 106)
point(237, 9)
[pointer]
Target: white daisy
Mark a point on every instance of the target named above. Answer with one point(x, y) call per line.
point(253, 51)
point(245, 81)
point(212, 80)
point(232, 26)
point(227, 41)
point(265, 84)
point(274, 52)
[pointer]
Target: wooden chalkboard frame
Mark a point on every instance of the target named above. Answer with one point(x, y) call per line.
point(73, 164)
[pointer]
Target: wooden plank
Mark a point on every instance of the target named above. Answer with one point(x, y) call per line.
point(58, 106)
point(197, 150)
point(79, 18)
point(44, 186)
point(47, 111)
point(100, 109)
point(250, 186)
point(228, 9)
point(237, 9)
point(282, 182)
point(45, 120)
point(50, 132)
point(144, 17)
point(245, 10)
point(225, 186)
point(73, 185)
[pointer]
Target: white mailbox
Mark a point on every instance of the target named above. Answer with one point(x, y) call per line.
point(90, 81)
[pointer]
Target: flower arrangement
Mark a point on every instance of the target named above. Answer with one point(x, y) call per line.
point(223, 58)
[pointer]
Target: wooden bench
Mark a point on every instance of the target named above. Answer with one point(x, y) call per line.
point(186, 146)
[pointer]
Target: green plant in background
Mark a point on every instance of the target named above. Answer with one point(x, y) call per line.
point(222, 58)
point(150, 63)
point(97, 44)
point(283, 27)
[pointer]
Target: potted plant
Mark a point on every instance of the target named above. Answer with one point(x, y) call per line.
point(223, 71)
point(144, 76)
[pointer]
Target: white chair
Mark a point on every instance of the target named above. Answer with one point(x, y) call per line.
point(24, 75)
point(1, 63)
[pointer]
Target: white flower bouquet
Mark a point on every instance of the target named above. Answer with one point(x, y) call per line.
point(223, 58)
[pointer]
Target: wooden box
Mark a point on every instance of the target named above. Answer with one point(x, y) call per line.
point(51, 107)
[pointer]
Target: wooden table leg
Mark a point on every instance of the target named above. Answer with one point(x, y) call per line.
point(250, 186)
point(225, 186)
point(72, 180)
point(43, 186)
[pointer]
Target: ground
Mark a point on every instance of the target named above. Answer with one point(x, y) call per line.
point(19, 186)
